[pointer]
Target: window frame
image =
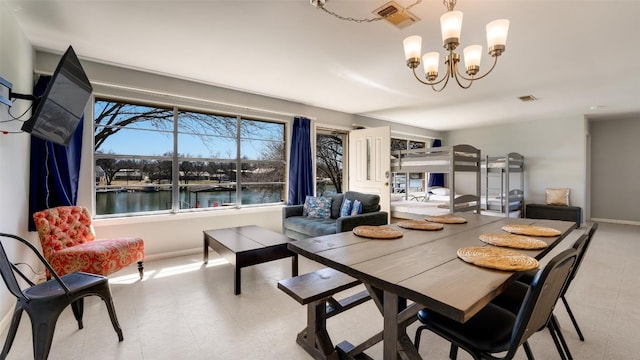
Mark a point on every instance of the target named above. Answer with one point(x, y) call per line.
point(177, 159)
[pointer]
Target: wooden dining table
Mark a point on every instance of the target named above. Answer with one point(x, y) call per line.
point(421, 270)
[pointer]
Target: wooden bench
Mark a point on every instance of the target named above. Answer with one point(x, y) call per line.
point(317, 290)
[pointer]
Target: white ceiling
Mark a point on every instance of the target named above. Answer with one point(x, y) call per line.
point(571, 55)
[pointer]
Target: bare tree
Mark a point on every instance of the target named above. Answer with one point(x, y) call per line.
point(329, 150)
point(110, 167)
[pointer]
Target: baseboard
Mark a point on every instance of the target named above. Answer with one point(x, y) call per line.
point(613, 221)
point(172, 254)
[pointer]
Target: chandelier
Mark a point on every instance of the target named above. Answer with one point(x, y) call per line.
point(451, 24)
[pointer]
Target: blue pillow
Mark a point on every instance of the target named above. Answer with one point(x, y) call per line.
point(345, 210)
point(317, 207)
point(357, 207)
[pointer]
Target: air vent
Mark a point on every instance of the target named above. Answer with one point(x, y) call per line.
point(396, 15)
point(527, 98)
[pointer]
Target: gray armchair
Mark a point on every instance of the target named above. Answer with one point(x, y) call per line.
point(297, 226)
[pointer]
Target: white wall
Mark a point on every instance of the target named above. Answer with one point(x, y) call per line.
point(554, 152)
point(16, 66)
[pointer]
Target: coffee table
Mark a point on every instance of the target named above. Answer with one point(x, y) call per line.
point(244, 246)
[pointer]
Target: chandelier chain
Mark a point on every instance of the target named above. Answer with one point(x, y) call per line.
point(367, 20)
point(449, 4)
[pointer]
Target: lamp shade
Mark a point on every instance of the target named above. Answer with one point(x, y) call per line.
point(431, 61)
point(472, 55)
point(497, 31)
point(412, 47)
point(451, 25)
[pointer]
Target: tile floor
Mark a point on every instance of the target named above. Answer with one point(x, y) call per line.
point(184, 310)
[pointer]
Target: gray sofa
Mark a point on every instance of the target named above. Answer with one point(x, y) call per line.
point(299, 227)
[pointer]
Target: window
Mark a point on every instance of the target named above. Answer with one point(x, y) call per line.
point(408, 183)
point(329, 164)
point(154, 159)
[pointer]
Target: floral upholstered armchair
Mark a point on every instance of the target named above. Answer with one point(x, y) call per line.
point(69, 245)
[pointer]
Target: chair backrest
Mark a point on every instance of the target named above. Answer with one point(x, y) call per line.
point(62, 227)
point(8, 270)
point(581, 253)
point(543, 293)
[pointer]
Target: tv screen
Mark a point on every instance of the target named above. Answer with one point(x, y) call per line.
point(60, 109)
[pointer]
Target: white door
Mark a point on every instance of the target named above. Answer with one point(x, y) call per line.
point(370, 162)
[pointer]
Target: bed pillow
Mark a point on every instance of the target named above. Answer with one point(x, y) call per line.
point(345, 210)
point(356, 208)
point(317, 207)
point(440, 191)
point(558, 197)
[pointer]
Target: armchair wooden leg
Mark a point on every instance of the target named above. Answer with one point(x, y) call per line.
point(140, 269)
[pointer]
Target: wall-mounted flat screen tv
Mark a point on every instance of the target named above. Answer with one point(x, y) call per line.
point(60, 109)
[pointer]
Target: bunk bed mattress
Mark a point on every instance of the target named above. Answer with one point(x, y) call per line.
point(419, 207)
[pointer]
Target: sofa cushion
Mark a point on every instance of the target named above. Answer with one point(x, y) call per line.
point(336, 203)
point(370, 202)
point(317, 207)
point(356, 208)
point(309, 226)
point(345, 210)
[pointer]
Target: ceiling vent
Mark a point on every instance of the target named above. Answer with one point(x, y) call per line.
point(396, 15)
point(527, 98)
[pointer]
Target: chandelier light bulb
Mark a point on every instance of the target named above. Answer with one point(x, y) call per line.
point(451, 27)
point(472, 57)
point(497, 31)
point(431, 62)
point(412, 47)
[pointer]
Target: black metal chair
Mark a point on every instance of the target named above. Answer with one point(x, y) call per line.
point(582, 251)
point(45, 301)
point(590, 233)
point(495, 329)
point(512, 298)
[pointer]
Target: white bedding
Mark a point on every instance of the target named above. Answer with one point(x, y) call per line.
point(418, 207)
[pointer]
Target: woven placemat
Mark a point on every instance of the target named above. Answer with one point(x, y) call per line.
point(513, 241)
point(446, 219)
point(497, 258)
point(377, 232)
point(420, 225)
point(531, 230)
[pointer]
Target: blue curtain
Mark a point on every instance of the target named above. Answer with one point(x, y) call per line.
point(436, 179)
point(55, 169)
point(300, 163)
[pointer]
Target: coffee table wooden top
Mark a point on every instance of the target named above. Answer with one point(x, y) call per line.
point(246, 238)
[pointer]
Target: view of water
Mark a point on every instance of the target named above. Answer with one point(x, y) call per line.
point(121, 202)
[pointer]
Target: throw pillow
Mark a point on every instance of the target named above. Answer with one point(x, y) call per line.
point(345, 210)
point(356, 208)
point(317, 207)
point(557, 197)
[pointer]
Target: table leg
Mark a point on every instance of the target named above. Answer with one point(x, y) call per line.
point(206, 250)
point(294, 265)
point(396, 342)
point(236, 280)
point(390, 332)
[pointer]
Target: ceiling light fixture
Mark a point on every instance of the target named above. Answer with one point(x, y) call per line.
point(387, 11)
point(451, 25)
